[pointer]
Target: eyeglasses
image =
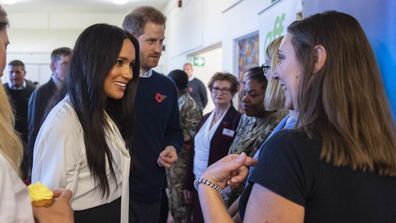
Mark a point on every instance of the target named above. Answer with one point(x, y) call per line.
point(222, 90)
point(265, 67)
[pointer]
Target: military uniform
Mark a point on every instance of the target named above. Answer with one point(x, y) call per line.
point(190, 116)
point(250, 134)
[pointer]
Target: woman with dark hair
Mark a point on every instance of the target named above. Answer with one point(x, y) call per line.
point(339, 165)
point(84, 141)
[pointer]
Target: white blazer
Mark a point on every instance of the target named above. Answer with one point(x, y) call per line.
point(60, 161)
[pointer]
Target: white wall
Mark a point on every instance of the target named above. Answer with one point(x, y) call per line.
point(33, 36)
point(200, 24)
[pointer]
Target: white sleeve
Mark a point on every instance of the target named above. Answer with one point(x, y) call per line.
point(56, 150)
point(14, 199)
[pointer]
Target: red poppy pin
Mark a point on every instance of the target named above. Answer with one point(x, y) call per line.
point(159, 97)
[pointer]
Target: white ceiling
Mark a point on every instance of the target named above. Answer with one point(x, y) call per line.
point(78, 6)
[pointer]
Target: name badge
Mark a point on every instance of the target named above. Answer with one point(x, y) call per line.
point(228, 132)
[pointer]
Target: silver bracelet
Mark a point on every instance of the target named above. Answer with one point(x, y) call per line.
point(201, 180)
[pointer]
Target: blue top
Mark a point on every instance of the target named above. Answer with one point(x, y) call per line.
point(157, 125)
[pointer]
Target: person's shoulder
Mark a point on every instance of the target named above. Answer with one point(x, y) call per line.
point(3, 162)
point(187, 99)
point(158, 75)
point(290, 135)
point(30, 88)
point(233, 112)
point(63, 114)
point(45, 87)
point(190, 103)
point(162, 78)
point(206, 116)
point(62, 122)
point(295, 141)
point(197, 81)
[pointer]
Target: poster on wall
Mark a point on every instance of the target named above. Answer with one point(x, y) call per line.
point(273, 22)
point(247, 52)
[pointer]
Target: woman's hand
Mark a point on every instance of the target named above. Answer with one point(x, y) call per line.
point(59, 211)
point(231, 170)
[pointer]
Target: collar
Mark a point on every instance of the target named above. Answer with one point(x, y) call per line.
point(146, 74)
point(191, 78)
point(17, 88)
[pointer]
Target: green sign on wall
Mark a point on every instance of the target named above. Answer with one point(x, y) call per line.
point(198, 61)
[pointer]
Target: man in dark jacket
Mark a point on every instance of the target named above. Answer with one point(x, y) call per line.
point(158, 136)
point(19, 92)
point(196, 87)
point(40, 98)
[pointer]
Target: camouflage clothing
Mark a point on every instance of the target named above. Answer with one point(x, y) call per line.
point(250, 134)
point(190, 116)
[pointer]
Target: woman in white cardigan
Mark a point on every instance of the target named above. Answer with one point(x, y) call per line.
point(83, 143)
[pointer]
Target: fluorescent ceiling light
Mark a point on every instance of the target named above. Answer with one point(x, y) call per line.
point(8, 2)
point(120, 2)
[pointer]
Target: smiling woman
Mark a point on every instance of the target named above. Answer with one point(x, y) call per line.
point(83, 143)
point(117, 79)
point(343, 150)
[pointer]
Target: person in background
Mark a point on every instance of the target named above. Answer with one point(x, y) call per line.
point(256, 123)
point(30, 83)
point(190, 116)
point(274, 100)
point(85, 141)
point(343, 150)
point(196, 88)
point(215, 135)
point(40, 98)
point(158, 136)
point(19, 93)
point(15, 203)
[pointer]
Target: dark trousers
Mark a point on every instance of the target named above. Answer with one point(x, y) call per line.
point(141, 212)
point(197, 212)
point(164, 207)
point(105, 213)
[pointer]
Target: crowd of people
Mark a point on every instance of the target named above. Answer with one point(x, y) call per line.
point(119, 142)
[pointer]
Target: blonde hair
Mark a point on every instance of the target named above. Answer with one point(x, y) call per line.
point(10, 144)
point(274, 97)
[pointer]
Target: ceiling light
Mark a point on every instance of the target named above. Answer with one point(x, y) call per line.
point(8, 2)
point(120, 2)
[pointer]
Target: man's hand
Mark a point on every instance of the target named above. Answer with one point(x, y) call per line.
point(167, 157)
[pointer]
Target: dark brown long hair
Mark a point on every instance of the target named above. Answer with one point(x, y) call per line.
point(345, 102)
point(94, 54)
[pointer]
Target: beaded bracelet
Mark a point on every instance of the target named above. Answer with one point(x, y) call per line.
point(205, 181)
